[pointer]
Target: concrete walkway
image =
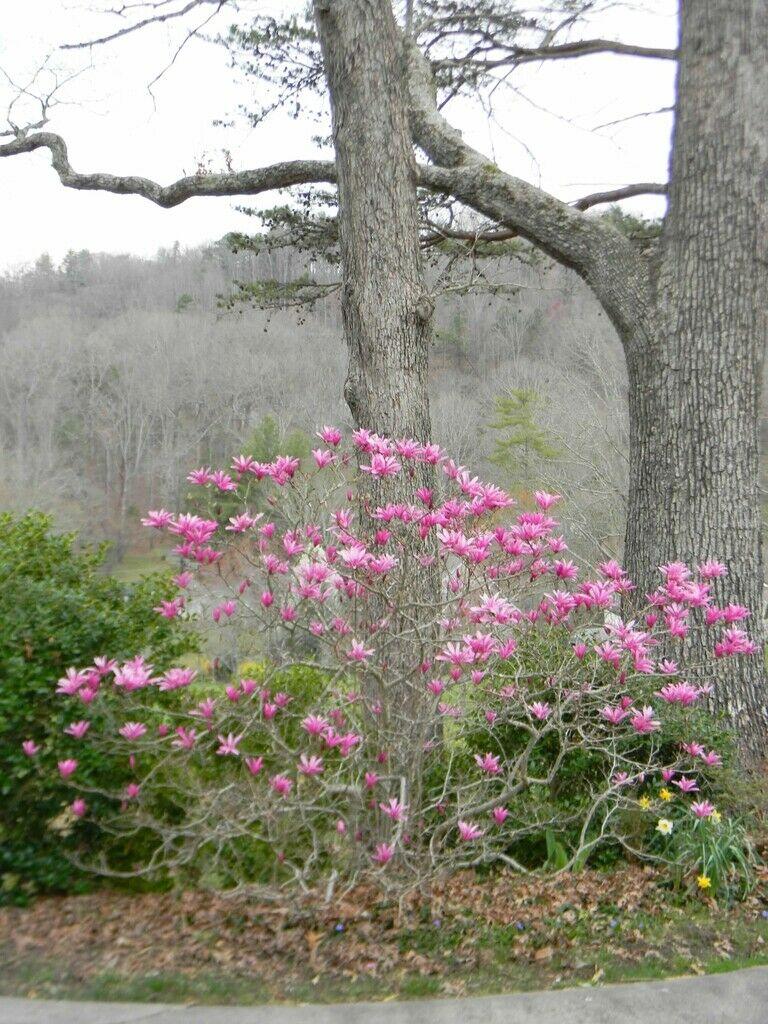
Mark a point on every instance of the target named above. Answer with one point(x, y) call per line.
point(740, 997)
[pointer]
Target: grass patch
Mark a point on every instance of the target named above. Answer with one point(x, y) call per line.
point(134, 566)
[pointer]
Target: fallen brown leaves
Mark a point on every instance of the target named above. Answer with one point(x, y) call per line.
point(464, 924)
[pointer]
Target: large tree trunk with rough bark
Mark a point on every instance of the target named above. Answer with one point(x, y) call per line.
point(386, 308)
point(696, 362)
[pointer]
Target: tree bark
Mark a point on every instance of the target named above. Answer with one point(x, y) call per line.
point(696, 363)
point(387, 317)
point(386, 308)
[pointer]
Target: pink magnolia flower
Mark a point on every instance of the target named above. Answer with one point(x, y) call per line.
point(489, 763)
point(384, 853)
point(104, 665)
point(135, 674)
point(382, 465)
point(176, 678)
point(183, 579)
point(679, 693)
point(712, 570)
point(157, 518)
point(734, 641)
point(132, 730)
point(78, 729)
point(668, 667)
point(499, 815)
point(469, 831)
point(323, 457)
point(686, 785)
point(703, 809)
point(359, 652)
point(341, 827)
point(228, 745)
point(67, 767)
point(30, 748)
point(254, 764)
point(241, 522)
point(711, 759)
point(565, 569)
point(545, 500)
point(170, 609)
point(205, 708)
point(78, 807)
point(132, 790)
point(243, 464)
point(186, 738)
point(693, 748)
point(310, 765)
point(608, 652)
point(315, 725)
point(644, 722)
point(540, 710)
point(371, 778)
point(223, 481)
point(281, 784)
point(71, 682)
point(330, 435)
point(614, 715)
point(394, 809)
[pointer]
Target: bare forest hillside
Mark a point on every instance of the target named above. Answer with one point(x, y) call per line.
point(121, 374)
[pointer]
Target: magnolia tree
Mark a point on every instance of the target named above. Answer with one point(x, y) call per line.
point(377, 736)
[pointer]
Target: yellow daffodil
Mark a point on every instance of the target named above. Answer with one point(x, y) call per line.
point(665, 794)
point(704, 882)
point(665, 826)
point(645, 802)
point(716, 816)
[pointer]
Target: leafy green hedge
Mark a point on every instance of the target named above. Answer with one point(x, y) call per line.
point(58, 608)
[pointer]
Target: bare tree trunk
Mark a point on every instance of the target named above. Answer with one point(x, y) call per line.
point(386, 308)
point(696, 364)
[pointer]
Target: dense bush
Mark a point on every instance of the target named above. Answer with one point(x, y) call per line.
point(57, 608)
point(445, 689)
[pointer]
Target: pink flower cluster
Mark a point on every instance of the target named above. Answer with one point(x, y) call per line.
point(338, 582)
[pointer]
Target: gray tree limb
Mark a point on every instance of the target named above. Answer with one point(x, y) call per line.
point(250, 182)
point(608, 262)
point(561, 51)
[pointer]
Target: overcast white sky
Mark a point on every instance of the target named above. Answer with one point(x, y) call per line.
point(113, 125)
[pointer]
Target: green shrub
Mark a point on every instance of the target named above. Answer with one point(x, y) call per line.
point(57, 609)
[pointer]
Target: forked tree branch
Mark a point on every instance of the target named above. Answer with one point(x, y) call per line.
point(152, 19)
point(605, 259)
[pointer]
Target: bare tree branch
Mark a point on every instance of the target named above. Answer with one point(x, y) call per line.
point(251, 182)
point(647, 188)
point(46, 98)
point(634, 117)
point(562, 51)
point(596, 251)
point(153, 19)
point(439, 234)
